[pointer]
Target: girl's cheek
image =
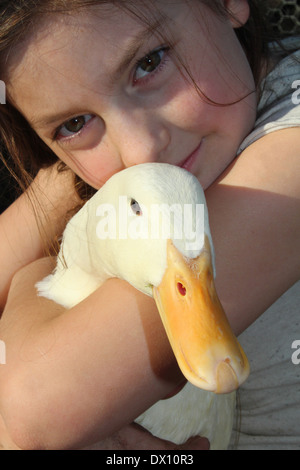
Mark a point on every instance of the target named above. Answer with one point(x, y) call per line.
point(190, 112)
point(88, 155)
point(94, 167)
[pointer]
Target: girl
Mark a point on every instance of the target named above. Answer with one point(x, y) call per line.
point(101, 86)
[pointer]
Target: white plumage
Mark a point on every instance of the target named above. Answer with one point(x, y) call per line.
point(127, 230)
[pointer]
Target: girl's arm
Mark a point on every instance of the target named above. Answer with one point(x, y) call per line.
point(255, 218)
point(21, 239)
point(74, 377)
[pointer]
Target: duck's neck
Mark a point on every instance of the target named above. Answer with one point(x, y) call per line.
point(75, 275)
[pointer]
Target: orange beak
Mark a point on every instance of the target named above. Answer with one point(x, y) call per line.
point(208, 353)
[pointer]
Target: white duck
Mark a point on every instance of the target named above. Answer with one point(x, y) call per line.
point(145, 226)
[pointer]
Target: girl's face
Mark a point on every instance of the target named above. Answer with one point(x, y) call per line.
point(105, 92)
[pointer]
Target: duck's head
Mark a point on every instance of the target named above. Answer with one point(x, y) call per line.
point(153, 231)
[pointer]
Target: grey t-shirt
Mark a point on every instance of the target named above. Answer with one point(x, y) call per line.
point(268, 412)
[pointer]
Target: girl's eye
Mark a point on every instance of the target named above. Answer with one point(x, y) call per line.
point(73, 126)
point(150, 63)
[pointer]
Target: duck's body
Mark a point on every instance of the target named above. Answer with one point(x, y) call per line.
point(128, 231)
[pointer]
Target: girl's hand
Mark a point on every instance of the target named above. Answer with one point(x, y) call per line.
point(134, 437)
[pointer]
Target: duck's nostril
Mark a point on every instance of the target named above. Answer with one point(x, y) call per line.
point(181, 289)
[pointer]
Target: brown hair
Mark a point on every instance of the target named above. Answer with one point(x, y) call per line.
point(18, 19)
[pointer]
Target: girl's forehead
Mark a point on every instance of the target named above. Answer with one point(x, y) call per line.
point(107, 24)
point(104, 34)
point(85, 49)
point(108, 19)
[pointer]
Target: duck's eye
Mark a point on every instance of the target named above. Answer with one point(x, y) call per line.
point(135, 207)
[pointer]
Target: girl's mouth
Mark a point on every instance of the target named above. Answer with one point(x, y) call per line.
point(188, 163)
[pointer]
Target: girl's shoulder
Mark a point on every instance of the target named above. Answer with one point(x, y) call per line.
point(30, 224)
point(279, 104)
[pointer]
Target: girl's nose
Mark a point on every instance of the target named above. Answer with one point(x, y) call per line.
point(138, 138)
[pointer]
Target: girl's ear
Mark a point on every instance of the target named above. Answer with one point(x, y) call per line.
point(239, 12)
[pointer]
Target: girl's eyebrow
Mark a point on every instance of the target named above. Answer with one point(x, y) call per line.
point(44, 121)
point(131, 51)
point(129, 54)
point(136, 43)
